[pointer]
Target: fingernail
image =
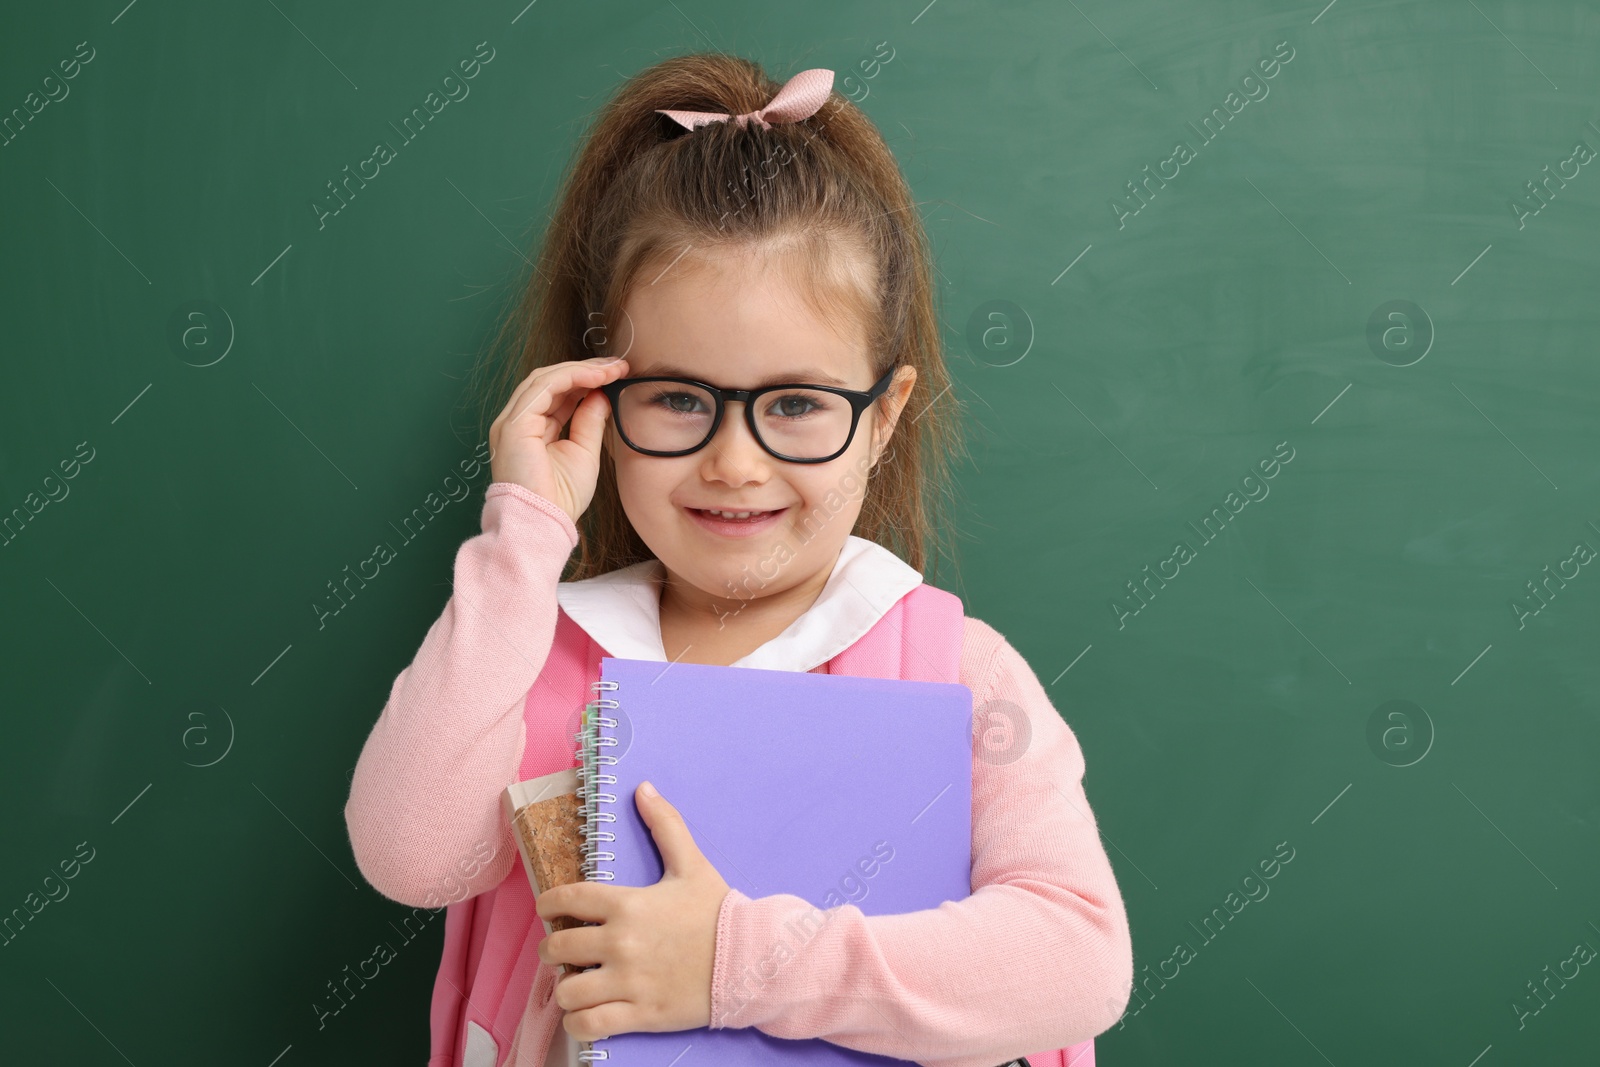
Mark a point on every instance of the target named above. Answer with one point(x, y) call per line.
point(648, 790)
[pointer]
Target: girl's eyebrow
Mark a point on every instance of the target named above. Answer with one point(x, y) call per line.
point(810, 376)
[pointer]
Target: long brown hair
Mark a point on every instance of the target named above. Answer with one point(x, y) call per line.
point(641, 188)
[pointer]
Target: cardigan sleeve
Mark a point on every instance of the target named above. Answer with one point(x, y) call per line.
point(424, 812)
point(1039, 957)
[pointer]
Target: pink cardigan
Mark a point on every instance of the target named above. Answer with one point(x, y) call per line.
point(1039, 956)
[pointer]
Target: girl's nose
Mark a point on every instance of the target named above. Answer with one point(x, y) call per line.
point(733, 455)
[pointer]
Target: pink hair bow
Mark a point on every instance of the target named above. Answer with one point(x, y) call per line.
point(800, 98)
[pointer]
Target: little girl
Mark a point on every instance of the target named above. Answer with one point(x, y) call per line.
point(752, 269)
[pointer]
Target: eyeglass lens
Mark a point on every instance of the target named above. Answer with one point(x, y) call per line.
point(672, 416)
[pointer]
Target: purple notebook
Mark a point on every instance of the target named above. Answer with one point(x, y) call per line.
point(837, 789)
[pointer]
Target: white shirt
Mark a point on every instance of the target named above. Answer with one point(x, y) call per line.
point(621, 609)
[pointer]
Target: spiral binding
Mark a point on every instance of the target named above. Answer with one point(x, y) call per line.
point(592, 800)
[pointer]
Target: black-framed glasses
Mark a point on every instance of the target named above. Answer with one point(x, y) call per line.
point(664, 416)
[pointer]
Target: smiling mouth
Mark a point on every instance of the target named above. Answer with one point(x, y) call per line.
point(735, 516)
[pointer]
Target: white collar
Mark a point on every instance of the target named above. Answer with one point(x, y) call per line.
point(621, 609)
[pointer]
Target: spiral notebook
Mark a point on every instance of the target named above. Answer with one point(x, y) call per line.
point(835, 788)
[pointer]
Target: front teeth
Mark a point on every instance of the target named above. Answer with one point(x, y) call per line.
point(733, 514)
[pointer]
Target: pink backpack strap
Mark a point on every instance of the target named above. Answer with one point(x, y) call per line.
point(556, 699)
point(918, 639)
point(491, 940)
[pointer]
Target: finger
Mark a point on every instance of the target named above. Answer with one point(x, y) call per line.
point(581, 945)
point(671, 833)
point(601, 1021)
point(546, 393)
point(569, 403)
point(587, 901)
point(585, 990)
point(574, 398)
point(528, 379)
point(534, 381)
point(589, 422)
point(539, 396)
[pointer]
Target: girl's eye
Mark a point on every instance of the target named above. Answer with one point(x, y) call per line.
point(682, 403)
point(797, 405)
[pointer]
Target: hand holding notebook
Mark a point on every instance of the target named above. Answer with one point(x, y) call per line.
point(655, 963)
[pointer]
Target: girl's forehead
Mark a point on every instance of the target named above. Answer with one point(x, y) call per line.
point(744, 351)
point(726, 293)
point(752, 374)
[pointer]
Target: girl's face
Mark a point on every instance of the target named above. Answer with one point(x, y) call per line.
point(733, 319)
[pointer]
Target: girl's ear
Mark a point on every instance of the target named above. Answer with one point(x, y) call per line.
point(893, 402)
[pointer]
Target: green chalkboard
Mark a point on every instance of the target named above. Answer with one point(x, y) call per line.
point(1274, 327)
